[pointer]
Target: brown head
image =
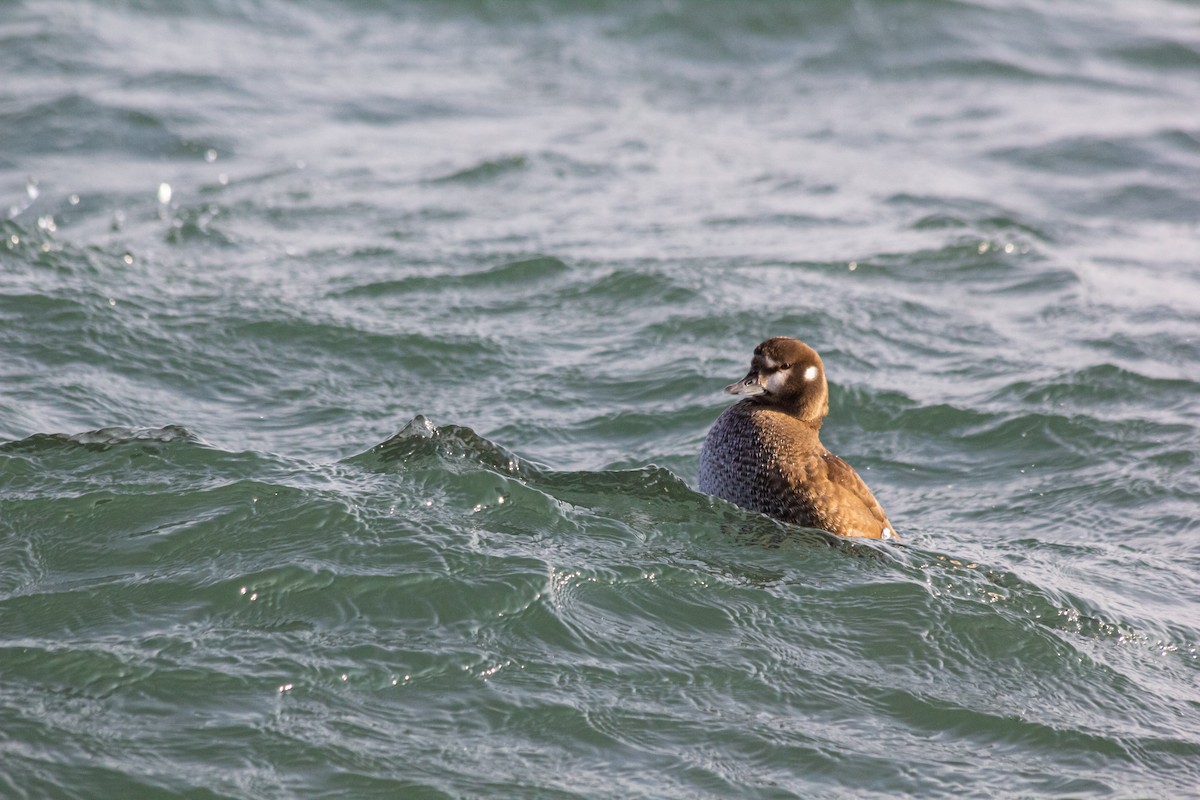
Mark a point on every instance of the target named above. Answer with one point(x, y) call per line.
point(786, 374)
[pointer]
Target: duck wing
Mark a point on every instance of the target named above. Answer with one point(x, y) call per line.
point(830, 495)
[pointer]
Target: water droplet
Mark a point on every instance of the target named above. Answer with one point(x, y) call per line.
point(73, 199)
point(164, 193)
point(210, 155)
point(128, 258)
point(853, 266)
point(31, 188)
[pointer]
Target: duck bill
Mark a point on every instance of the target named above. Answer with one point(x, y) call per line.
point(749, 386)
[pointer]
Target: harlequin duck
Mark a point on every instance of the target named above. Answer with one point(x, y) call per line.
point(763, 453)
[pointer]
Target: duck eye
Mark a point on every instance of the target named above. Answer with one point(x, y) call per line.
point(782, 367)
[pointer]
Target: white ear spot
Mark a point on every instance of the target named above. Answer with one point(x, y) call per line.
point(810, 374)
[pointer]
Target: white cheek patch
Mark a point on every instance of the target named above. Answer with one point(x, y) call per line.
point(777, 380)
point(810, 374)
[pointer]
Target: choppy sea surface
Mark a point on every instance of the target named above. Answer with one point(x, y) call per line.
point(355, 359)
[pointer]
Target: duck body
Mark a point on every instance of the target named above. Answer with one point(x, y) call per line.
point(764, 453)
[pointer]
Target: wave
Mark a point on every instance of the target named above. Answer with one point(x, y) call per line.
point(654, 503)
point(450, 475)
point(515, 276)
point(441, 562)
point(101, 439)
point(53, 124)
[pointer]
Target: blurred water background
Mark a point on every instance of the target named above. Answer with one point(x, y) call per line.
point(355, 359)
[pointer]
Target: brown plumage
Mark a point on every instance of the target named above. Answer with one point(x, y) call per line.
point(764, 452)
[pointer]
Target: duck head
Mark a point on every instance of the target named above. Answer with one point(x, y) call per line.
point(788, 375)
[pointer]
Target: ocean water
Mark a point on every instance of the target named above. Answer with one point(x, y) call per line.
point(355, 360)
